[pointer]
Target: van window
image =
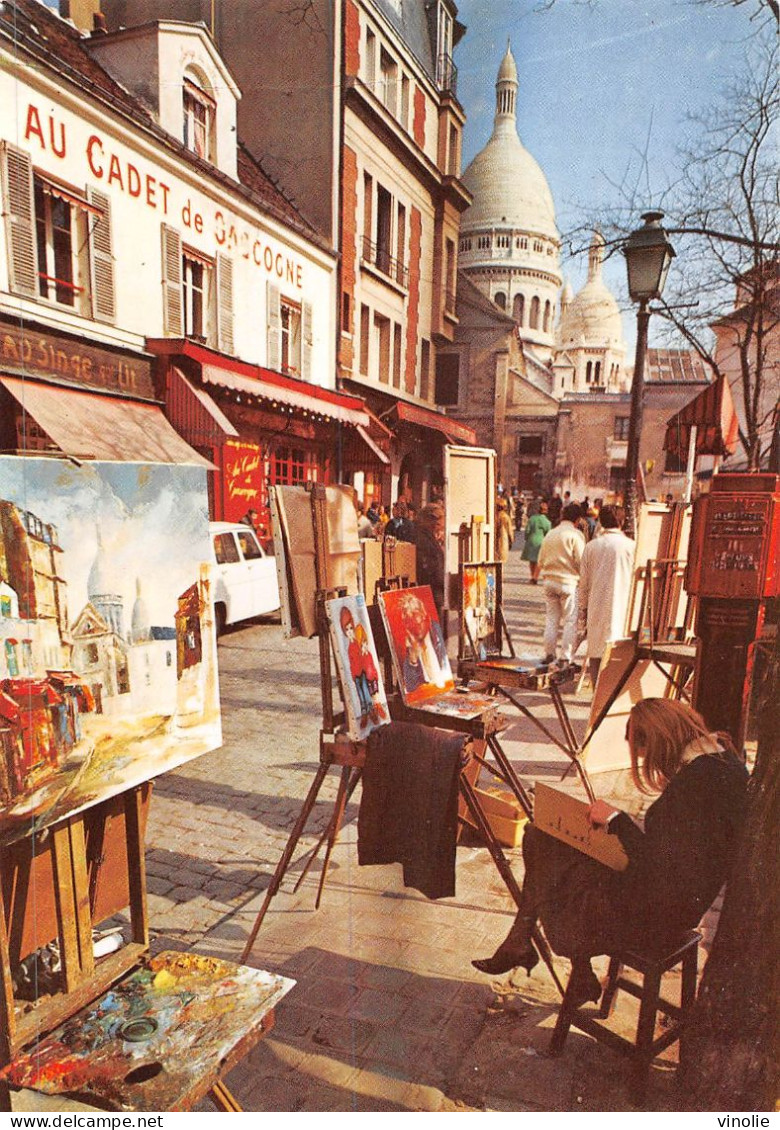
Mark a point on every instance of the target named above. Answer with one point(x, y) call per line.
point(225, 549)
point(249, 547)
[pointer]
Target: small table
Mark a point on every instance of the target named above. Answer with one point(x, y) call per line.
point(159, 1039)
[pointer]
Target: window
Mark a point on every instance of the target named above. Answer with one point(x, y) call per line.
point(522, 243)
point(425, 369)
point(538, 246)
point(370, 57)
point(446, 73)
point(621, 427)
point(346, 313)
point(453, 152)
point(397, 354)
point(400, 242)
point(250, 550)
point(503, 241)
point(364, 339)
point(405, 88)
point(388, 71)
point(225, 549)
point(450, 269)
point(58, 270)
point(294, 466)
point(384, 225)
point(199, 119)
point(465, 243)
point(11, 661)
point(518, 308)
point(290, 337)
point(530, 445)
point(382, 329)
point(546, 321)
point(534, 319)
point(589, 373)
point(197, 296)
point(597, 373)
point(289, 334)
point(483, 242)
point(500, 299)
point(447, 378)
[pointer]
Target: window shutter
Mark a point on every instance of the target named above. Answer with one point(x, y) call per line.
point(306, 336)
point(101, 259)
point(225, 304)
point(173, 312)
point(19, 212)
point(274, 328)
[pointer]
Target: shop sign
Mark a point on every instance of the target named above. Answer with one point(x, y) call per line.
point(47, 355)
point(243, 478)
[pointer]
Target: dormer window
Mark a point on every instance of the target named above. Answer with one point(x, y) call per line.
point(199, 114)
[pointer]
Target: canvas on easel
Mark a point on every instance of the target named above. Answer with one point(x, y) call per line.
point(358, 666)
point(480, 605)
point(420, 662)
point(607, 749)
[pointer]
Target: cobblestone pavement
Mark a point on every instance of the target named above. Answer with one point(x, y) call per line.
point(388, 1013)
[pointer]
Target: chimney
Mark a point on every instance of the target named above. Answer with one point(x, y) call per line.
point(99, 24)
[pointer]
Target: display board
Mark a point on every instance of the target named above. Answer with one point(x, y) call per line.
point(469, 494)
point(108, 669)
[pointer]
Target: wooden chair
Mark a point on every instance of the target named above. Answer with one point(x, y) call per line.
point(651, 968)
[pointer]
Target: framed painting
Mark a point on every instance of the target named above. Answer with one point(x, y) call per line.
point(108, 668)
point(480, 604)
point(416, 641)
point(358, 666)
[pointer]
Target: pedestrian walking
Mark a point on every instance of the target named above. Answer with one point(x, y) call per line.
point(559, 571)
point(504, 531)
point(537, 526)
point(606, 573)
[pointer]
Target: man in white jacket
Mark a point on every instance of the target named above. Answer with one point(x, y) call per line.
point(606, 573)
point(559, 572)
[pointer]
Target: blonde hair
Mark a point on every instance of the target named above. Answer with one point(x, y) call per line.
point(661, 729)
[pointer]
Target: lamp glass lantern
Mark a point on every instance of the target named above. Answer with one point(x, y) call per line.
point(648, 255)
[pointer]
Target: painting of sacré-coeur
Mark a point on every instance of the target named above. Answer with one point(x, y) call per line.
point(359, 669)
point(416, 642)
point(108, 671)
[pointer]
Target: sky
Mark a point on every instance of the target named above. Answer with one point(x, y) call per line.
point(601, 82)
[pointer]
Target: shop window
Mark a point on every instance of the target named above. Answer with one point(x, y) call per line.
point(293, 466)
point(199, 117)
point(621, 427)
point(447, 379)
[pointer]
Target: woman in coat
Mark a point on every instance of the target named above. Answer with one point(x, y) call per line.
point(676, 867)
point(536, 528)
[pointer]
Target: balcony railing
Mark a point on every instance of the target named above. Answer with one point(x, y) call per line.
point(379, 257)
point(447, 74)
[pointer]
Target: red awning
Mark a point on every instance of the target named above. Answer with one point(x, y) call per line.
point(194, 413)
point(87, 425)
point(712, 413)
point(451, 429)
point(267, 385)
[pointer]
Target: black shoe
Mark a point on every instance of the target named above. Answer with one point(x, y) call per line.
point(583, 986)
point(503, 961)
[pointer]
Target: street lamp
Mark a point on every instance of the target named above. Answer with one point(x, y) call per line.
point(648, 255)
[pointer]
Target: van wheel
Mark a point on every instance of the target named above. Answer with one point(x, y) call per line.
point(220, 619)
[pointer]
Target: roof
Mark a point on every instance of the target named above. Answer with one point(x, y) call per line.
point(469, 293)
point(37, 30)
point(676, 366)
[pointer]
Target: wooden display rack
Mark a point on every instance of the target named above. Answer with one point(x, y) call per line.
point(57, 885)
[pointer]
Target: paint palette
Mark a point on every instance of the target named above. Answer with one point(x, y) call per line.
point(160, 1038)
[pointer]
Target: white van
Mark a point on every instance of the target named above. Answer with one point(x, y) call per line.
point(246, 583)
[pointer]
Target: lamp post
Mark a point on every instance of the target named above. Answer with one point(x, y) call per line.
point(648, 255)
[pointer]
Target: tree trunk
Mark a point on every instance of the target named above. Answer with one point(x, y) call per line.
point(730, 1060)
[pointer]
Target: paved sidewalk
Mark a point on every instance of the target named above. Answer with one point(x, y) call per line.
point(388, 1013)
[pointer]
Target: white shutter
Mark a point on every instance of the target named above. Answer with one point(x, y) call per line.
point(101, 259)
point(274, 327)
point(19, 215)
point(306, 340)
point(173, 305)
point(225, 304)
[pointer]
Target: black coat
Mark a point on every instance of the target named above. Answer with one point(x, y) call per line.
point(676, 867)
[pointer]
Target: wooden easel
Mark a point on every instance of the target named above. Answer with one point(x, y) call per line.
point(508, 676)
point(56, 886)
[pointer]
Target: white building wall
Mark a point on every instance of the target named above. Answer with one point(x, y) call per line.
point(83, 145)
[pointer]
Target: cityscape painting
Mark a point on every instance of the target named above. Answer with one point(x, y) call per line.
point(108, 669)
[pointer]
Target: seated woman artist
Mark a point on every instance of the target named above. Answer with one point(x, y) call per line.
point(676, 866)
